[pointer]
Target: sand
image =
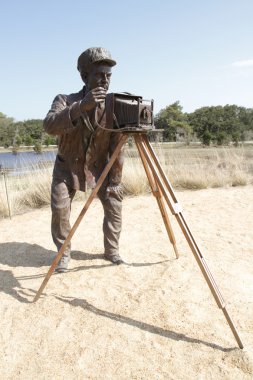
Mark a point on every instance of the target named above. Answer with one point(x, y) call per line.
point(152, 318)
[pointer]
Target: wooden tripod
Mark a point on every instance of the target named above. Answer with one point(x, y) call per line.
point(162, 190)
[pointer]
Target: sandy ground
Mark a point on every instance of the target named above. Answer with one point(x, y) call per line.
point(152, 318)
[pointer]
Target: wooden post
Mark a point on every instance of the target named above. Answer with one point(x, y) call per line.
point(7, 196)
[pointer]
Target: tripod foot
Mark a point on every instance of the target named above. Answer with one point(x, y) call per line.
point(232, 327)
point(176, 251)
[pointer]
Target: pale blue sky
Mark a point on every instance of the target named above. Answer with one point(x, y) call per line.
point(198, 52)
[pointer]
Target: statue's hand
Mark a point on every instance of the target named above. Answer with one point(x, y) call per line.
point(93, 98)
point(115, 191)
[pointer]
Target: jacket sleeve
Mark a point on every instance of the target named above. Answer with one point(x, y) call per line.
point(115, 174)
point(59, 119)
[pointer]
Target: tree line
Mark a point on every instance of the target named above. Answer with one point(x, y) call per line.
point(27, 133)
point(215, 124)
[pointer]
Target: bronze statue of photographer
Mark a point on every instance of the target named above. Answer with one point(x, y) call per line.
point(83, 151)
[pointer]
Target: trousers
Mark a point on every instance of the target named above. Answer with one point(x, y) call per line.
point(61, 199)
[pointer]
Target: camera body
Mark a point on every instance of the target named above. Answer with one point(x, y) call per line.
point(129, 112)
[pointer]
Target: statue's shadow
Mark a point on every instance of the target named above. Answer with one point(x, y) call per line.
point(141, 325)
point(17, 254)
point(24, 255)
point(32, 255)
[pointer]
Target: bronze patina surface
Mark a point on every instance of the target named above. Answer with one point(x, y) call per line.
point(84, 150)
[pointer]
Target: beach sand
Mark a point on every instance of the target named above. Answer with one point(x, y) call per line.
point(151, 318)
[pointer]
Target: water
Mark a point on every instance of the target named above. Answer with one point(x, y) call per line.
point(25, 162)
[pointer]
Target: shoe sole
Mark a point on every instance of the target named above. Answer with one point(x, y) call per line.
point(116, 262)
point(61, 270)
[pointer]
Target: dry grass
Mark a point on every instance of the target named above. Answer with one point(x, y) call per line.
point(25, 191)
point(189, 168)
point(186, 168)
point(134, 177)
point(200, 169)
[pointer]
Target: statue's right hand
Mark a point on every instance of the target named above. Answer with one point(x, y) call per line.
point(93, 98)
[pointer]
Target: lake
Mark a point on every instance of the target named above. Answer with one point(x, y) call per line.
point(25, 161)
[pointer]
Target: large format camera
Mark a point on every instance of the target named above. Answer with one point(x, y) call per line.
point(129, 112)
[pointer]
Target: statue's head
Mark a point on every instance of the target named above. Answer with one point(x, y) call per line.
point(94, 65)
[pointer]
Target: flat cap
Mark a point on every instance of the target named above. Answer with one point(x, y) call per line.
point(94, 55)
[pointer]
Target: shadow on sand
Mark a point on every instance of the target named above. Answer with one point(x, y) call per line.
point(77, 302)
point(34, 256)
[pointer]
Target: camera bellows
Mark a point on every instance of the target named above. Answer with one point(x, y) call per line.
point(130, 112)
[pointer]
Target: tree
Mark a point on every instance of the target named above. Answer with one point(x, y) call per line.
point(206, 123)
point(33, 128)
point(222, 137)
point(28, 140)
point(169, 119)
point(206, 138)
point(236, 137)
point(221, 124)
point(37, 148)
point(5, 121)
point(49, 140)
point(18, 141)
point(7, 131)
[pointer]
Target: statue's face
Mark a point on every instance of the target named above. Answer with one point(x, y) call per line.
point(98, 76)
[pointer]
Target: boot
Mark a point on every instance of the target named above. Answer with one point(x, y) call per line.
point(62, 266)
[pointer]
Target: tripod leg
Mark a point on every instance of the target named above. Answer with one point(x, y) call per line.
point(158, 195)
point(81, 215)
point(165, 186)
point(167, 224)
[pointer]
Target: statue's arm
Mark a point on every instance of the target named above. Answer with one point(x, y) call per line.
point(61, 117)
